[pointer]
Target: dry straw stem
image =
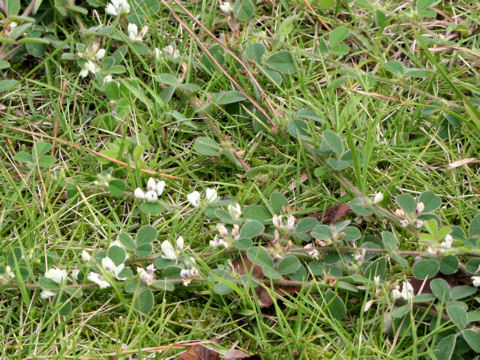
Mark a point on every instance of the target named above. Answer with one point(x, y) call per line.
point(78, 146)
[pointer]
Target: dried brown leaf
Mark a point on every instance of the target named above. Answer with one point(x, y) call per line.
point(332, 214)
point(199, 352)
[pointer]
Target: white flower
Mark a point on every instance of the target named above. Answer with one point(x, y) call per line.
point(139, 194)
point(9, 273)
point(406, 293)
point(158, 53)
point(278, 222)
point(113, 269)
point(45, 294)
point(222, 230)
point(194, 198)
point(476, 281)
point(86, 256)
point(75, 274)
point(56, 275)
point(179, 243)
point(88, 67)
point(154, 190)
point(168, 251)
point(151, 269)
point(216, 242)
point(290, 223)
point(314, 254)
point(420, 207)
point(210, 195)
point(145, 276)
point(107, 79)
point(226, 7)
point(98, 279)
point(400, 213)
point(376, 279)
point(235, 211)
point(447, 242)
point(118, 7)
point(378, 197)
point(99, 54)
point(133, 33)
point(418, 224)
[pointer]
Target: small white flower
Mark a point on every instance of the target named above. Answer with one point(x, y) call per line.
point(99, 54)
point(179, 243)
point(145, 276)
point(56, 275)
point(404, 223)
point(168, 251)
point(75, 274)
point(158, 53)
point(194, 198)
point(107, 79)
point(88, 67)
point(447, 242)
point(151, 269)
point(9, 273)
point(151, 196)
point(160, 187)
point(154, 190)
point(314, 254)
point(476, 281)
point(226, 7)
point(113, 269)
point(185, 273)
point(45, 294)
point(420, 207)
point(139, 194)
point(290, 223)
point(168, 50)
point(418, 224)
point(86, 256)
point(277, 221)
point(400, 213)
point(376, 279)
point(378, 197)
point(406, 293)
point(210, 195)
point(98, 279)
point(216, 242)
point(133, 33)
point(235, 211)
point(222, 230)
point(118, 7)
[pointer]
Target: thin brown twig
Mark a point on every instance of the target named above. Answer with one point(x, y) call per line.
point(29, 8)
point(78, 146)
point(127, 352)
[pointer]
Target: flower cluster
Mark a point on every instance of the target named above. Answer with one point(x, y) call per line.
point(133, 33)
point(405, 293)
point(444, 245)
point(279, 224)
point(171, 253)
point(146, 276)
point(92, 55)
point(118, 7)
point(224, 237)
point(194, 198)
point(226, 7)
point(406, 220)
point(56, 275)
point(154, 190)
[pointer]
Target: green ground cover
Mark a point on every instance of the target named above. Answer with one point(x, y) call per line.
point(287, 108)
